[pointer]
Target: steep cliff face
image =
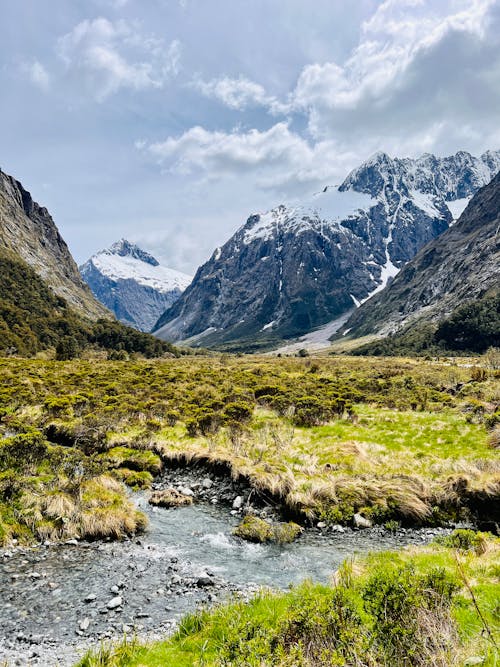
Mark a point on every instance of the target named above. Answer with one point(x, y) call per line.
point(28, 231)
point(459, 267)
point(297, 267)
point(132, 284)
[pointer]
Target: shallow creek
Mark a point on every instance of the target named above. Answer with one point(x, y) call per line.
point(58, 599)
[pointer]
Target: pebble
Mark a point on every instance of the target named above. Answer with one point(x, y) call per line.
point(115, 602)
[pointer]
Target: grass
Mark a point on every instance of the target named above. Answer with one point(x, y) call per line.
point(393, 439)
point(417, 607)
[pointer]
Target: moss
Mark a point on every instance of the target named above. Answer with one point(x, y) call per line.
point(254, 529)
point(136, 480)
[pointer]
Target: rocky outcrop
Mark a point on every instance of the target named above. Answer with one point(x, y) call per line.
point(28, 231)
point(132, 284)
point(297, 267)
point(460, 266)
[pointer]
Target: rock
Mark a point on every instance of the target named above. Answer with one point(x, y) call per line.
point(115, 602)
point(337, 528)
point(186, 491)
point(90, 598)
point(361, 522)
point(238, 503)
point(207, 483)
point(321, 525)
point(84, 624)
point(114, 589)
point(204, 581)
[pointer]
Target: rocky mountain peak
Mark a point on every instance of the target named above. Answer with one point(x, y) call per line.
point(301, 265)
point(132, 283)
point(124, 248)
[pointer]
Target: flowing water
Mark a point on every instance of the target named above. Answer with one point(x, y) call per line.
point(55, 598)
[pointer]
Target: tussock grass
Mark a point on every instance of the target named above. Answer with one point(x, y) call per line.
point(393, 439)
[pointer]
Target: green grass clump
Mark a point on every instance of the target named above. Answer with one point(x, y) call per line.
point(414, 608)
point(255, 529)
point(133, 459)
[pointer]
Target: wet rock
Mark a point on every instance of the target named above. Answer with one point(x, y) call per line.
point(207, 483)
point(321, 525)
point(238, 503)
point(186, 491)
point(361, 522)
point(205, 580)
point(90, 598)
point(337, 528)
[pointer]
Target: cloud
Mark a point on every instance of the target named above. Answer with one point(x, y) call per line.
point(278, 158)
point(238, 94)
point(422, 78)
point(38, 75)
point(108, 56)
point(412, 70)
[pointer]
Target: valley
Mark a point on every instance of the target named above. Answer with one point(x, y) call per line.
point(364, 454)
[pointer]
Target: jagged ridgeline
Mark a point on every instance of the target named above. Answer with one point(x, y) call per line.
point(44, 303)
point(300, 266)
point(448, 296)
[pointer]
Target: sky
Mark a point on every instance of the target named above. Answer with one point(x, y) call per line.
point(169, 122)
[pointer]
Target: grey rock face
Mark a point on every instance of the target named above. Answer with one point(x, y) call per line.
point(132, 284)
point(297, 267)
point(27, 229)
point(459, 266)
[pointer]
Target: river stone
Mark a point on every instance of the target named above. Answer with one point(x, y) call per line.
point(115, 602)
point(361, 522)
point(90, 598)
point(84, 624)
point(207, 483)
point(321, 524)
point(238, 503)
point(337, 528)
point(186, 491)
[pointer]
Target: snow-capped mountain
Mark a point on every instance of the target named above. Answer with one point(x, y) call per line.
point(297, 267)
point(133, 284)
point(460, 266)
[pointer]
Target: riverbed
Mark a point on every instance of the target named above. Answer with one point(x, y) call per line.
point(57, 600)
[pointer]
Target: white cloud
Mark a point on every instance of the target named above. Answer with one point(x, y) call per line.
point(109, 56)
point(278, 157)
point(423, 77)
point(239, 94)
point(38, 75)
point(413, 68)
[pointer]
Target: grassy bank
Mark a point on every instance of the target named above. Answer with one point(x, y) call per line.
point(437, 605)
point(395, 440)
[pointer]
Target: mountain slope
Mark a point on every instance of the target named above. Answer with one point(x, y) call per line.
point(298, 267)
point(131, 283)
point(459, 267)
point(27, 229)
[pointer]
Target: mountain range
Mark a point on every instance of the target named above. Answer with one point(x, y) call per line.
point(300, 266)
point(133, 284)
point(460, 267)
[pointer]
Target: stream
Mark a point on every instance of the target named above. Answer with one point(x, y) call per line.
point(57, 600)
